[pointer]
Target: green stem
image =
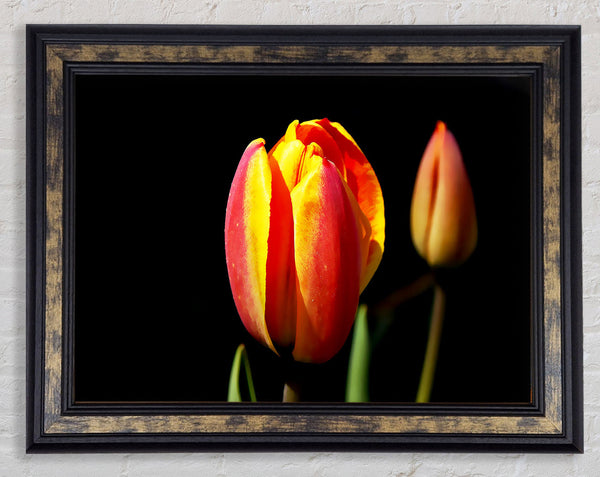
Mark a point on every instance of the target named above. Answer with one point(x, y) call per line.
point(249, 379)
point(420, 285)
point(357, 382)
point(384, 310)
point(433, 344)
point(291, 392)
point(234, 393)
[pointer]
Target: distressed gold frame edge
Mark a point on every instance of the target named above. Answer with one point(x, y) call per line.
point(57, 54)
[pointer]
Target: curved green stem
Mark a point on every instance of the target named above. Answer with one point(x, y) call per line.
point(384, 310)
point(433, 344)
point(234, 393)
point(420, 285)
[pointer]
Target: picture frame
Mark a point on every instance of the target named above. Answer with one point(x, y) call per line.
point(62, 59)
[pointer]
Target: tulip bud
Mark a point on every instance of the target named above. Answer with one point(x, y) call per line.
point(442, 217)
point(304, 231)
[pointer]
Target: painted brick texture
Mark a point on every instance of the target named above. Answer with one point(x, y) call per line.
point(14, 14)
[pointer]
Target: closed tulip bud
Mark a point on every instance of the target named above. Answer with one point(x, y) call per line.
point(304, 233)
point(442, 217)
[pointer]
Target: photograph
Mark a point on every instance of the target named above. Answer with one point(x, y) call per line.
point(155, 160)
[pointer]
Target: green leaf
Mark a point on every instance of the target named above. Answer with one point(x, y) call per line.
point(357, 384)
point(234, 393)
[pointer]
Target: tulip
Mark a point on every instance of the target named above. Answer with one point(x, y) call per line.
point(304, 233)
point(442, 218)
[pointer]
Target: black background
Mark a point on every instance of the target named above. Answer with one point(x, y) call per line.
point(154, 160)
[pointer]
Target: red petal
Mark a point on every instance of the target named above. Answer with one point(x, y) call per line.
point(246, 238)
point(363, 183)
point(328, 263)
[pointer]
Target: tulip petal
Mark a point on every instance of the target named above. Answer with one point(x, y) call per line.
point(453, 232)
point(363, 183)
point(312, 132)
point(443, 219)
point(290, 156)
point(328, 262)
point(246, 238)
point(424, 195)
point(280, 307)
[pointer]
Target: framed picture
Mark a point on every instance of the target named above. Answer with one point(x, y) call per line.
point(292, 238)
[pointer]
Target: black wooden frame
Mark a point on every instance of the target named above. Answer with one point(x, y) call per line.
point(551, 422)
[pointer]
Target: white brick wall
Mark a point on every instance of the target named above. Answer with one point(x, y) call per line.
point(14, 14)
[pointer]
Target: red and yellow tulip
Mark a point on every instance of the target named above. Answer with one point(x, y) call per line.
point(442, 219)
point(304, 233)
